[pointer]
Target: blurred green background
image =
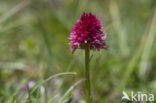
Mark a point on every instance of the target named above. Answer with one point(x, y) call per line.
point(34, 46)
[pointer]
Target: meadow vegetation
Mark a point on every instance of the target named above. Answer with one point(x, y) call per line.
point(34, 49)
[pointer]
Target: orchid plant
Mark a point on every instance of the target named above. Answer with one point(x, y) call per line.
point(88, 35)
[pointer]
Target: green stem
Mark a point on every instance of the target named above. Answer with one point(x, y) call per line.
point(87, 53)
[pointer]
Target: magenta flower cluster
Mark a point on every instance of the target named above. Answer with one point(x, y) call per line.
point(88, 33)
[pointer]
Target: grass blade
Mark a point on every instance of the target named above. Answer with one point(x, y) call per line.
point(148, 47)
point(145, 42)
point(51, 77)
point(114, 11)
point(14, 10)
point(67, 93)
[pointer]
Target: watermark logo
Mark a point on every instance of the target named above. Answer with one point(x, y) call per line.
point(139, 96)
point(125, 96)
